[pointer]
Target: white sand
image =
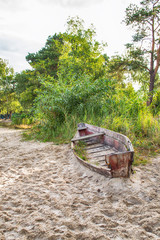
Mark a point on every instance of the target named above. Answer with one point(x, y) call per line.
point(46, 194)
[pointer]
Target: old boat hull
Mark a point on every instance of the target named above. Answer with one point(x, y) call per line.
point(108, 153)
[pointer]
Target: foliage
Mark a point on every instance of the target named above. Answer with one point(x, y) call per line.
point(156, 104)
point(8, 99)
point(45, 61)
point(65, 58)
point(56, 102)
point(22, 118)
point(81, 53)
point(117, 68)
point(27, 85)
point(10, 104)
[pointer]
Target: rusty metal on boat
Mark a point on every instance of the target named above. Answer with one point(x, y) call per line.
point(108, 153)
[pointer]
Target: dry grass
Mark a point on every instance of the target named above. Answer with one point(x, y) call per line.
point(8, 123)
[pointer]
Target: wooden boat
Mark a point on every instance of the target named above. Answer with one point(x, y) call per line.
point(107, 152)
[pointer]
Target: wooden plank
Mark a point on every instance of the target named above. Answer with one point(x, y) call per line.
point(99, 153)
point(87, 136)
point(98, 149)
point(96, 156)
point(103, 160)
point(90, 143)
point(93, 146)
point(99, 159)
point(105, 165)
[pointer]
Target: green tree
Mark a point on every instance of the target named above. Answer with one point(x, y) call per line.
point(144, 52)
point(69, 55)
point(81, 53)
point(45, 61)
point(8, 99)
point(27, 86)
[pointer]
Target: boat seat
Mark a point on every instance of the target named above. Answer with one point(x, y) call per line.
point(87, 136)
point(81, 128)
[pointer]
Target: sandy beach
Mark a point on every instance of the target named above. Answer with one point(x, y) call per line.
point(45, 194)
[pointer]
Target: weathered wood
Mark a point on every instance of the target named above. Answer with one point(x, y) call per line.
point(98, 149)
point(112, 138)
point(110, 155)
point(90, 143)
point(101, 170)
point(87, 136)
point(120, 163)
point(81, 128)
point(93, 146)
point(96, 156)
point(95, 151)
point(103, 160)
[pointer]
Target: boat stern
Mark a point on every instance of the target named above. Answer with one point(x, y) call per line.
point(120, 163)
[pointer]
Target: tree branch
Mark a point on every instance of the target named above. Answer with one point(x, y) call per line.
point(149, 22)
point(155, 3)
point(157, 27)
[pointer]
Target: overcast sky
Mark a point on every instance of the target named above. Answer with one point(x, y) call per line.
point(26, 24)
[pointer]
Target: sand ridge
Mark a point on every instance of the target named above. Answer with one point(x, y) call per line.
point(45, 194)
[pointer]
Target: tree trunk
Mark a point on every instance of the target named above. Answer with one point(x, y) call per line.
point(151, 87)
point(10, 115)
point(152, 73)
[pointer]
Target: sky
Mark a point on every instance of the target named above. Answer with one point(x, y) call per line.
point(26, 24)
